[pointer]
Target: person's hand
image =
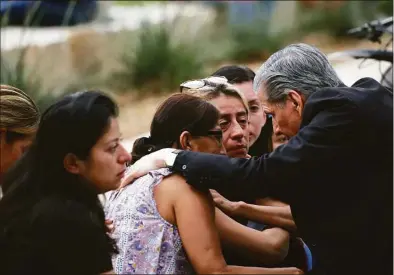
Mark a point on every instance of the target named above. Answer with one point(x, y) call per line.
point(143, 166)
point(231, 208)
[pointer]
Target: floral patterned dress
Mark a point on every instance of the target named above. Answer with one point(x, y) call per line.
point(147, 243)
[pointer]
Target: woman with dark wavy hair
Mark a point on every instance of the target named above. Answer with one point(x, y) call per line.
point(50, 217)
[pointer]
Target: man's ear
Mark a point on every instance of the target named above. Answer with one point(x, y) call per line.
point(72, 164)
point(184, 140)
point(297, 100)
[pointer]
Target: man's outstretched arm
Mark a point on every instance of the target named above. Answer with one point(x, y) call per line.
point(219, 172)
point(327, 134)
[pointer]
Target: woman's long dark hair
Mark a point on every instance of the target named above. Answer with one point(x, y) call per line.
point(176, 114)
point(72, 125)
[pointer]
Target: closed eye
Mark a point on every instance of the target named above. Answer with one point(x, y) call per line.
point(223, 124)
point(114, 147)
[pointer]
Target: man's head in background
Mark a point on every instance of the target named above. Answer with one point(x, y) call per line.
point(242, 78)
point(286, 80)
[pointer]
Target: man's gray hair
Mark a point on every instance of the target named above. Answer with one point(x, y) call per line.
point(299, 67)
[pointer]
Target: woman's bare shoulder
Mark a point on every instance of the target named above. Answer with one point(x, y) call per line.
point(176, 186)
point(175, 183)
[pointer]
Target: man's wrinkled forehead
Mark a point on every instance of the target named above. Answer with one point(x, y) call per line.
point(261, 93)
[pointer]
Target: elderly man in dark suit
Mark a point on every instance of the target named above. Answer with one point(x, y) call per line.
point(335, 172)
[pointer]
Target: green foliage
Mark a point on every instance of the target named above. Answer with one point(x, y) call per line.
point(337, 21)
point(253, 42)
point(19, 76)
point(158, 60)
point(386, 7)
point(18, 73)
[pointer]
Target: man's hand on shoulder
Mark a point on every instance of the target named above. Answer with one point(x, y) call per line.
point(156, 160)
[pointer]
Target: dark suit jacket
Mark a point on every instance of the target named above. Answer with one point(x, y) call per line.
point(263, 144)
point(336, 174)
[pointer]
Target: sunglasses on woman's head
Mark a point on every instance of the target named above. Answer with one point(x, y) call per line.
point(212, 81)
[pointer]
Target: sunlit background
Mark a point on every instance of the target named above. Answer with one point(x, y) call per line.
point(139, 51)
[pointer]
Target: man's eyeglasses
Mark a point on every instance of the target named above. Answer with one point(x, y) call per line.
point(197, 84)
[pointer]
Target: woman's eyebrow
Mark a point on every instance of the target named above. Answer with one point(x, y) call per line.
point(242, 113)
point(254, 101)
point(113, 140)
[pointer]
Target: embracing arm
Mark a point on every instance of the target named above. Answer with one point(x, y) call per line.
point(194, 214)
point(267, 211)
point(270, 202)
point(269, 246)
point(273, 215)
point(325, 134)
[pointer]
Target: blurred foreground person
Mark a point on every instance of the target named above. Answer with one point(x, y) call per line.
point(162, 224)
point(50, 217)
point(331, 173)
point(19, 118)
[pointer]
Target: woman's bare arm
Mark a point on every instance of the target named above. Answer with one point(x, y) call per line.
point(270, 202)
point(267, 247)
point(195, 219)
point(276, 214)
point(273, 215)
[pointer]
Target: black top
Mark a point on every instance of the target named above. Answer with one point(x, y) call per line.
point(336, 174)
point(262, 144)
point(61, 237)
